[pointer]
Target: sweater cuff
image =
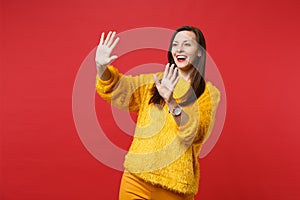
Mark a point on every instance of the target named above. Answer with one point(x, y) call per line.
point(105, 86)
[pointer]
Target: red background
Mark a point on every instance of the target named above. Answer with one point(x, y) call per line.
point(254, 43)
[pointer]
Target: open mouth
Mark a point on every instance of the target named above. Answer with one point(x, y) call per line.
point(181, 58)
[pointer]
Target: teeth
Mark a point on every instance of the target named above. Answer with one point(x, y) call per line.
point(181, 57)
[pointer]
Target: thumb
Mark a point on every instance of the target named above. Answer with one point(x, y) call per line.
point(112, 58)
point(156, 81)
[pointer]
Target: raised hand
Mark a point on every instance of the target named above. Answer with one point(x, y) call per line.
point(104, 50)
point(168, 83)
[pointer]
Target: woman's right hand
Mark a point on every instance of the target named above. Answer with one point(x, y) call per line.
point(103, 53)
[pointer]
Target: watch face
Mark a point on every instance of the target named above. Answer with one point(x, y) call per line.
point(177, 111)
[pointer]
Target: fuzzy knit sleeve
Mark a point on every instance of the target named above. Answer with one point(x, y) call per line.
point(201, 115)
point(122, 91)
point(208, 107)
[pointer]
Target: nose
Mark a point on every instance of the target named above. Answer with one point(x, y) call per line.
point(179, 49)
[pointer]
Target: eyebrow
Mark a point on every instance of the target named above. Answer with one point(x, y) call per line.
point(183, 41)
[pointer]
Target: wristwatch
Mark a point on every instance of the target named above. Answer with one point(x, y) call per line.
point(176, 111)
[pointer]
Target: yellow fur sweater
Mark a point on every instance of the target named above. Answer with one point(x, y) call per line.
point(162, 153)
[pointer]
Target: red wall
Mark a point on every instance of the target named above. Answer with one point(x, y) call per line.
point(255, 45)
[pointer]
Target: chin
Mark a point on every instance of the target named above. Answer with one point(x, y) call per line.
point(183, 65)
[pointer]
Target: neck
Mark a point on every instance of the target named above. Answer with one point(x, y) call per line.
point(185, 74)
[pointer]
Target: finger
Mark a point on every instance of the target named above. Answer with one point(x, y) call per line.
point(175, 74)
point(107, 38)
point(166, 72)
point(156, 81)
point(171, 71)
point(115, 43)
point(176, 81)
point(111, 38)
point(101, 38)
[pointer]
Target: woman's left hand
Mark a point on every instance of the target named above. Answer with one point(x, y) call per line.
point(168, 83)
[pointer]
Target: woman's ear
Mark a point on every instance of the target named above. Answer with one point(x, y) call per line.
point(199, 53)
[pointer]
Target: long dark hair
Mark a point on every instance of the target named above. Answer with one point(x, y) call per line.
point(197, 80)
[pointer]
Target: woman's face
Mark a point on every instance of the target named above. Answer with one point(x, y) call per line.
point(185, 49)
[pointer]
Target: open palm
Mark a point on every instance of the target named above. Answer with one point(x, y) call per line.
point(168, 82)
point(105, 48)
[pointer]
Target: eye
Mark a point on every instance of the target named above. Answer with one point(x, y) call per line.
point(187, 44)
point(174, 44)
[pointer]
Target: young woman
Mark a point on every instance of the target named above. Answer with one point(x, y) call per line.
point(176, 111)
